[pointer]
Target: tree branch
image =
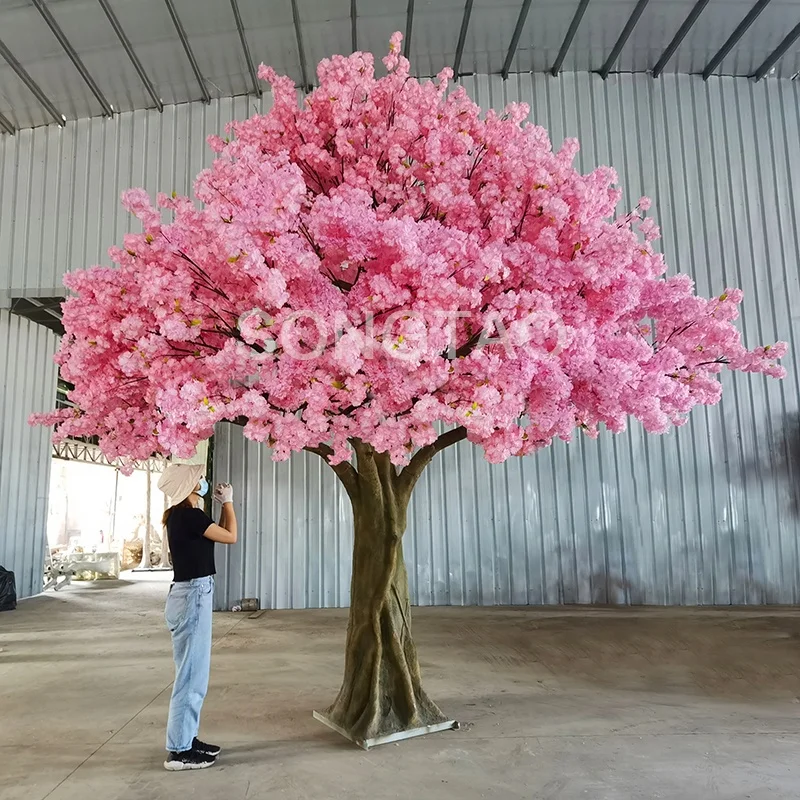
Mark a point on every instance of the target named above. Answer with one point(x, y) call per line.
point(469, 345)
point(344, 471)
point(387, 475)
point(366, 468)
point(411, 473)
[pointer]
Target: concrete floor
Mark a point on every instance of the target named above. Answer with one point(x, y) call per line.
point(554, 703)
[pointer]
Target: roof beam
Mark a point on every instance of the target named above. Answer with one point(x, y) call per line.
point(55, 28)
point(740, 31)
point(777, 54)
point(176, 21)
point(462, 38)
point(47, 308)
point(512, 48)
point(623, 38)
point(38, 313)
point(128, 47)
point(354, 24)
point(301, 50)
point(246, 48)
point(571, 31)
point(34, 87)
point(409, 24)
point(684, 29)
point(6, 125)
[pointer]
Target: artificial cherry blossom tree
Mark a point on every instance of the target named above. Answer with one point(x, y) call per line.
point(374, 274)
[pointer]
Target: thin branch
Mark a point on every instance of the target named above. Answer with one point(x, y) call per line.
point(207, 283)
point(219, 316)
point(679, 330)
point(303, 230)
point(478, 158)
point(518, 230)
point(470, 344)
point(719, 360)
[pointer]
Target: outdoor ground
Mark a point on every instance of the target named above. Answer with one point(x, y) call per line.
point(554, 703)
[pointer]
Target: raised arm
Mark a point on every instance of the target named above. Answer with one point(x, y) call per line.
point(227, 531)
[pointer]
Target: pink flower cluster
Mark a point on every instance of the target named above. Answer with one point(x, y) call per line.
point(373, 196)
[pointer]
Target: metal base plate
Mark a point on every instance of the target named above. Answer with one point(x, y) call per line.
point(366, 744)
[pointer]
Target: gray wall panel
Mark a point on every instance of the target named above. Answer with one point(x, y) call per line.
point(699, 516)
point(27, 374)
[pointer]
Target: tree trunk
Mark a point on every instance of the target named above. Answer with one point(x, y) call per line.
point(381, 692)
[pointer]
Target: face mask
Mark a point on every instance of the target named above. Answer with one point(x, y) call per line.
point(203, 491)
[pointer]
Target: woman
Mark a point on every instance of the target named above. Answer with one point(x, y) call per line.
point(191, 533)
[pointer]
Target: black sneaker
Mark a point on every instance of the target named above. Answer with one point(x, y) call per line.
point(188, 759)
point(205, 747)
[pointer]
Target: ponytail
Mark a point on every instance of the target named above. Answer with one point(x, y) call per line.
point(168, 513)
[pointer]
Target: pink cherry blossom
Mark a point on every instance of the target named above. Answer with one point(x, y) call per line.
point(378, 259)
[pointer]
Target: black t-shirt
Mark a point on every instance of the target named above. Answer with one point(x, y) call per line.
point(192, 553)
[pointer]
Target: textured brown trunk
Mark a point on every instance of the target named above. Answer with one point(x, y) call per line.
point(381, 692)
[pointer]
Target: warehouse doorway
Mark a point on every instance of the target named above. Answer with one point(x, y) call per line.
point(102, 522)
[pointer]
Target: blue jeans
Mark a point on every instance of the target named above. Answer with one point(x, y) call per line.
point(188, 615)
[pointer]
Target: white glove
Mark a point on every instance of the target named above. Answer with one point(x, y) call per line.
point(223, 493)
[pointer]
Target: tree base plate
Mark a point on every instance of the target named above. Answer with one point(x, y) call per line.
point(366, 744)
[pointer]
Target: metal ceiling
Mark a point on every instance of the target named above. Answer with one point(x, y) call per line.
point(70, 59)
point(78, 450)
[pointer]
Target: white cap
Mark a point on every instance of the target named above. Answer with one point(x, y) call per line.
point(179, 481)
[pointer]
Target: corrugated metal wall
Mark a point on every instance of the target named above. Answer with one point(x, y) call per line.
point(700, 516)
point(27, 375)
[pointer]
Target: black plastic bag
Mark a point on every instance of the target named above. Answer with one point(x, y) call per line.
point(8, 590)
